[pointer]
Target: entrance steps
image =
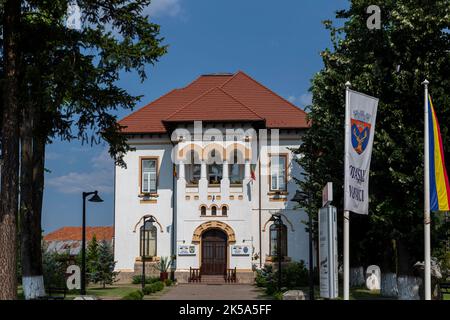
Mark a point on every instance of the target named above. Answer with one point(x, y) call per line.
point(213, 279)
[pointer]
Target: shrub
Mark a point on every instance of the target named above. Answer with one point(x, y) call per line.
point(135, 295)
point(137, 279)
point(149, 289)
point(278, 295)
point(159, 285)
point(293, 275)
point(154, 287)
point(168, 282)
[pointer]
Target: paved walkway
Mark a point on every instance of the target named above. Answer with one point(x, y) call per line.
point(214, 292)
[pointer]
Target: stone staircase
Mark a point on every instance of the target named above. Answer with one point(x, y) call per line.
point(212, 279)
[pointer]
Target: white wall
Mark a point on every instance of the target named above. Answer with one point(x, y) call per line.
point(243, 215)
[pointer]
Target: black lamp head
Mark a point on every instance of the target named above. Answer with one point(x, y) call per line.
point(95, 198)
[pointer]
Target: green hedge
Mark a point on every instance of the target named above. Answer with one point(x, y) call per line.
point(168, 282)
point(154, 287)
point(137, 279)
point(135, 295)
point(293, 275)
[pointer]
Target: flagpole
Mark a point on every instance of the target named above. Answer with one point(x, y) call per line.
point(346, 212)
point(427, 218)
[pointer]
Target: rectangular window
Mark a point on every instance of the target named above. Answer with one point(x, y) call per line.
point(149, 175)
point(278, 173)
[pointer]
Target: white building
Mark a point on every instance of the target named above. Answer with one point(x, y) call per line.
point(211, 190)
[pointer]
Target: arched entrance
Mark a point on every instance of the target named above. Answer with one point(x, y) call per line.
point(214, 252)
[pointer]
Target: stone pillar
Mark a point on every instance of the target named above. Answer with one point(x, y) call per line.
point(181, 174)
point(247, 175)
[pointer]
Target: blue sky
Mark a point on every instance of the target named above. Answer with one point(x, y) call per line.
point(276, 42)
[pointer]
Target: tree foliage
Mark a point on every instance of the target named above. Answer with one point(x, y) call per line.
point(390, 63)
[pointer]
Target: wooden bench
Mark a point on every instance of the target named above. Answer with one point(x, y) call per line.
point(230, 275)
point(195, 275)
point(55, 293)
point(444, 287)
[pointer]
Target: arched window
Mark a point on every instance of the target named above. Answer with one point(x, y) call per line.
point(193, 168)
point(274, 240)
point(213, 210)
point(214, 170)
point(236, 168)
point(148, 240)
point(203, 210)
point(224, 210)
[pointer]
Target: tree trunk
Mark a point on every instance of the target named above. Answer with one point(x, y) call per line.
point(389, 284)
point(10, 153)
point(30, 218)
point(357, 278)
point(408, 287)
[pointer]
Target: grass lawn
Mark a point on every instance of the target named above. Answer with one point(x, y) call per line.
point(116, 291)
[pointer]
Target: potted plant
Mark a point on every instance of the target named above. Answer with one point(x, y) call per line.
point(163, 265)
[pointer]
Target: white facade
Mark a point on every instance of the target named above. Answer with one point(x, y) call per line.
point(176, 205)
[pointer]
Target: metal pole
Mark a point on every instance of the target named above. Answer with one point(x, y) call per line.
point(427, 217)
point(279, 252)
point(83, 248)
point(346, 213)
point(311, 262)
point(143, 238)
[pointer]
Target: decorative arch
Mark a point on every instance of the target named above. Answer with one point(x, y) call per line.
point(182, 154)
point(227, 209)
point(148, 216)
point(287, 220)
point(214, 225)
point(246, 153)
point(214, 146)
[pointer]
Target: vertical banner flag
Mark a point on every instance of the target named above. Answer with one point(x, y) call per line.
point(439, 186)
point(362, 114)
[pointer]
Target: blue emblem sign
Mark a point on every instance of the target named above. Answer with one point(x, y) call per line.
point(360, 128)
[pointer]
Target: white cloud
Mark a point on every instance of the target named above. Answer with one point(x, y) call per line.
point(101, 178)
point(306, 99)
point(302, 100)
point(158, 8)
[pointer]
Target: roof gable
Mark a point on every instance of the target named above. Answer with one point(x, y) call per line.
point(223, 97)
point(220, 106)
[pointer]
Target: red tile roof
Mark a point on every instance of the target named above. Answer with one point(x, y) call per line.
point(74, 233)
point(217, 97)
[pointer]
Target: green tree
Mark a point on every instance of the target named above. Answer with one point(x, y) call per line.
point(92, 255)
point(9, 131)
point(69, 90)
point(104, 265)
point(390, 63)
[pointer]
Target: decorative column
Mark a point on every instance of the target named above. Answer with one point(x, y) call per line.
point(181, 174)
point(203, 183)
point(247, 175)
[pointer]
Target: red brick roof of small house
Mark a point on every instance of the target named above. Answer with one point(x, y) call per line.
point(217, 97)
point(75, 233)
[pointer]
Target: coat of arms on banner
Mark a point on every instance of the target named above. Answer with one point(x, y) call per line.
point(360, 127)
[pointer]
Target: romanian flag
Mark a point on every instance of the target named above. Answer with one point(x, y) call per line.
point(439, 186)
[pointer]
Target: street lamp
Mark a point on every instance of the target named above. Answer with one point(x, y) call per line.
point(276, 219)
point(145, 230)
point(304, 197)
point(94, 198)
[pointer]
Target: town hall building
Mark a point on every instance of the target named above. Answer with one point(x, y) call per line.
point(212, 163)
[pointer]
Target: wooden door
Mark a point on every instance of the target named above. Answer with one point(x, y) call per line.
point(214, 252)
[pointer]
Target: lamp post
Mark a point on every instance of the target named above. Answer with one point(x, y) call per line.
point(302, 197)
point(276, 219)
point(144, 235)
point(94, 198)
